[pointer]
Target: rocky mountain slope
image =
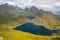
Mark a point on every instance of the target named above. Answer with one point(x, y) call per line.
point(44, 18)
point(13, 16)
point(32, 14)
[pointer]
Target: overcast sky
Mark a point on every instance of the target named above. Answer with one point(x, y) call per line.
point(53, 5)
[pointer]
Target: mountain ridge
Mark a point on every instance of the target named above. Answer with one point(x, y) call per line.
point(39, 16)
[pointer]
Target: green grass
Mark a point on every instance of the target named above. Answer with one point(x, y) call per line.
point(6, 30)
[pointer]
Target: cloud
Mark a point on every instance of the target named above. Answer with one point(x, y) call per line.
point(12, 3)
point(44, 4)
point(1, 2)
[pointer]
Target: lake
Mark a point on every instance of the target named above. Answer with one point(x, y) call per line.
point(34, 29)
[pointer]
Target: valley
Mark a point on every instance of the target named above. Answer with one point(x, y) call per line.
point(13, 16)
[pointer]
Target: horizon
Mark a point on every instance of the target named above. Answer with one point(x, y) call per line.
point(49, 5)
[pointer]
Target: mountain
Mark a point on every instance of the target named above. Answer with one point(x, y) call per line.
point(39, 16)
point(34, 10)
point(45, 18)
point(13, 10)
point(49, 20)
point(58, 14)
point(15, 17)
point(9, 12)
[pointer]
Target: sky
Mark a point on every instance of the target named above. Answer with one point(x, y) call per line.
point(51, 5)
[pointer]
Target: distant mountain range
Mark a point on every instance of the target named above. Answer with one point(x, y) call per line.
point(39, 16)
point(13, 10)
point(58, 14)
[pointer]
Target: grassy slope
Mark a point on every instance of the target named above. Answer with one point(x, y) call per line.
point(18, 35)
point(7, 32)
point(7, 25)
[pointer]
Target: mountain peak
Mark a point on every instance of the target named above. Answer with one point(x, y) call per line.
point(6, 4)
point(26, 8)
point(34, 7)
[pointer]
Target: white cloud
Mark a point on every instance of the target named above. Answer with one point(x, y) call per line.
point(12, 3)
point(44, 4)
point(41, 3)
point(57, 4)
point(30, 0)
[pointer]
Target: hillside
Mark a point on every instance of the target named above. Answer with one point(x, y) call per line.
point(50, 19)
point(44, 18)
point(39, 16)
point(6, 9)
point(13, 16)
point(58, 16)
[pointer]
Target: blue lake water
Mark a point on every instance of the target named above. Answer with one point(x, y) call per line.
point(34, 29)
